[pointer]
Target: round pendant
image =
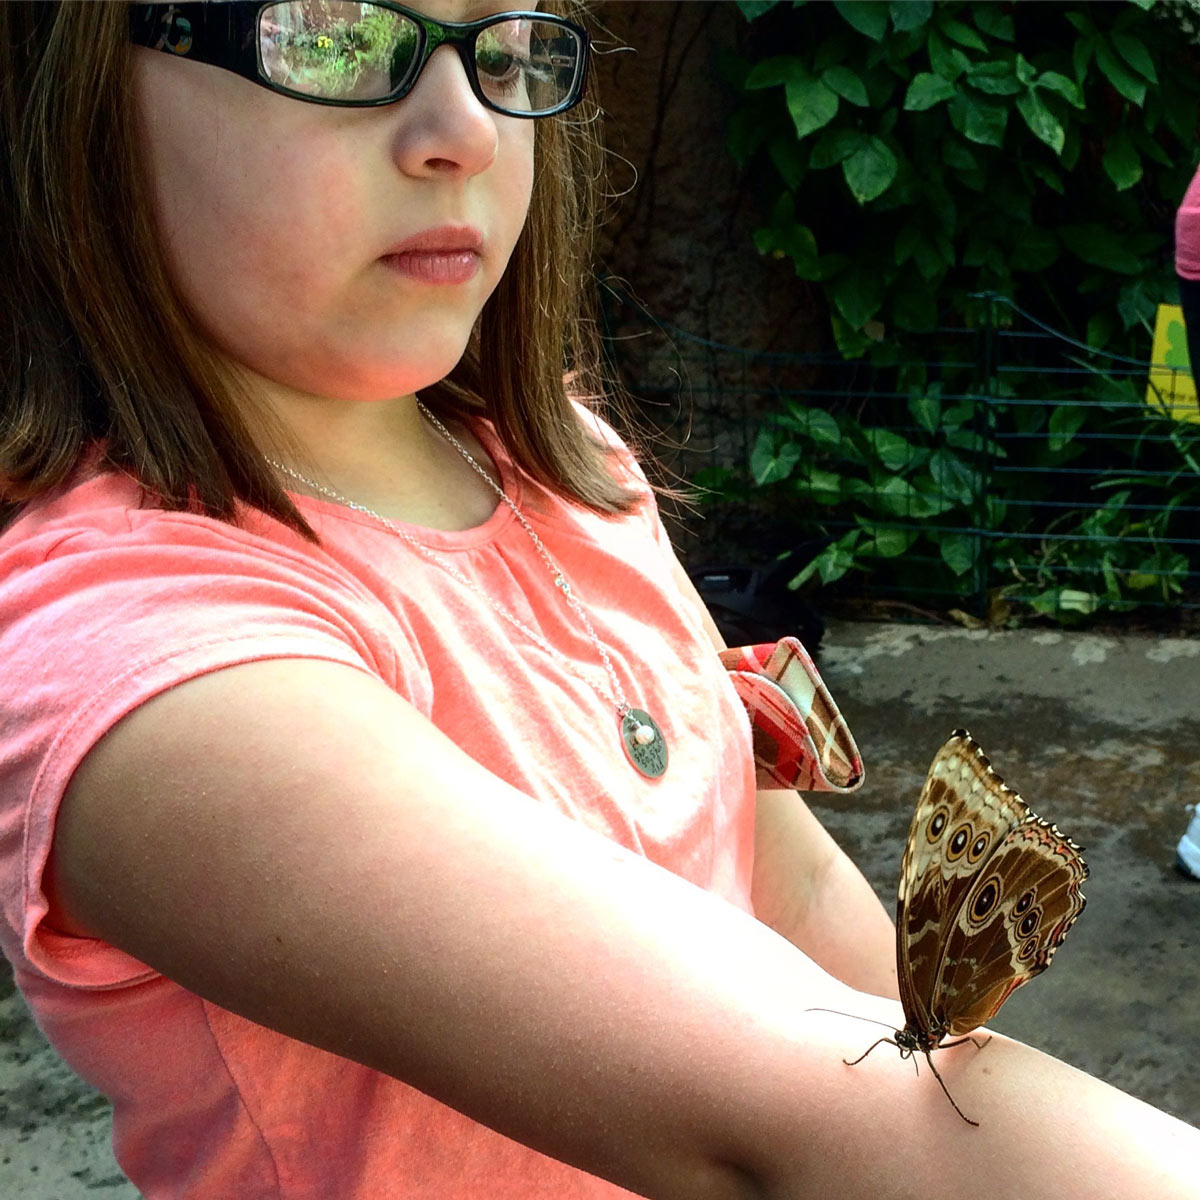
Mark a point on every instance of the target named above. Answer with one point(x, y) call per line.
point(644, 743)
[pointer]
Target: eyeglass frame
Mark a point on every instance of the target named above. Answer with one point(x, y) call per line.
point(236, 47)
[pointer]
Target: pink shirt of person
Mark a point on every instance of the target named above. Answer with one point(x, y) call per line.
point(1187, 232)
point(105, 602)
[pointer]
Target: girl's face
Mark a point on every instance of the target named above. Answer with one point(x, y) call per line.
point(282, 219)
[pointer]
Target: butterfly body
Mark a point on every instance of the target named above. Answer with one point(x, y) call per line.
point(988, 891)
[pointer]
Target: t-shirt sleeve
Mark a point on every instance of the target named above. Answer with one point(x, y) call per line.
point(97, 619)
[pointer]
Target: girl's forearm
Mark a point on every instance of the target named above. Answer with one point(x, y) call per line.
point(807, 889)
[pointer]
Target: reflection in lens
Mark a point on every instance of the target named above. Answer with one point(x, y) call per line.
point(337, 49)
point(527, 65)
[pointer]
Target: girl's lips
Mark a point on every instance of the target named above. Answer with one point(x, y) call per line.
point(435, 266)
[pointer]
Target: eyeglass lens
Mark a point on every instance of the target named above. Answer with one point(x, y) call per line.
point(353, 52)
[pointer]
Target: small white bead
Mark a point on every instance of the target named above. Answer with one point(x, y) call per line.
point(644, 735)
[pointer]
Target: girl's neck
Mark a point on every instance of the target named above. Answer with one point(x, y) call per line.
point(385, 456)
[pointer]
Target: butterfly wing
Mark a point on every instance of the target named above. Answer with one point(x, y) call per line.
point(963, 814)
point(1008, 926)
point(988, 892)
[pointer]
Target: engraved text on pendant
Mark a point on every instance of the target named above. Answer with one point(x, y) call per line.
point(644, 743)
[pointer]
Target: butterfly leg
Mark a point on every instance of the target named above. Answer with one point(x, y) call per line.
point(962, 1041)
point(890, 1042)
point(942, 1082)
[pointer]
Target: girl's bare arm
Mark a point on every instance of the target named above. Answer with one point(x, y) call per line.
point(805, 886)
point(294, 842)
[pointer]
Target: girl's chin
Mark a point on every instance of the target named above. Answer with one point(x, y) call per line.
point(389, 380)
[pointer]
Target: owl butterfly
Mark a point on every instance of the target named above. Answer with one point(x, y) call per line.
point(987, 893)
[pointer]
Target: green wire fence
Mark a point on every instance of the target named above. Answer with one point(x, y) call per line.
point(997, 467)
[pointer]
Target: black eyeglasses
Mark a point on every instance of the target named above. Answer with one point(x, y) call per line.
point(359, 55)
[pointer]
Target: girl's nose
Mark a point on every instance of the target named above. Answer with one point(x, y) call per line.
point(443, 128)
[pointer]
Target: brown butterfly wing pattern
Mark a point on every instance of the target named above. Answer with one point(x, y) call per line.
point(963, 813)
point(1012, 921)
point(988, 891)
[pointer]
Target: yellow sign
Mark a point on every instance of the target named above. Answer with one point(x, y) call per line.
point(1170, 385)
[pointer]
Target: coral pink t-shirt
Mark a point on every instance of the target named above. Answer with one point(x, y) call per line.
point(1187, 232)
point(104, 603)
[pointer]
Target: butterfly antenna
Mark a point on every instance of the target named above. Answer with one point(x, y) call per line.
point(945, 1089)
point(854, 1017)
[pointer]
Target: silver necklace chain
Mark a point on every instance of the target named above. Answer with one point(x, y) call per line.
point(617, 696)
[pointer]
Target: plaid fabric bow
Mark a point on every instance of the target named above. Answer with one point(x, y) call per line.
point(801, 740)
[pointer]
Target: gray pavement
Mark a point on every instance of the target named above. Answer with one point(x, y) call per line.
point(1098, 733)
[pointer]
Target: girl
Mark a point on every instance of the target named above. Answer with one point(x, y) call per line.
point(377, 820)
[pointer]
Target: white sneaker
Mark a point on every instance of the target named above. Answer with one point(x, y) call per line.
point(1187, 853)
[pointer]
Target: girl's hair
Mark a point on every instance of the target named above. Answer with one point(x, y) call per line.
point(97, 346)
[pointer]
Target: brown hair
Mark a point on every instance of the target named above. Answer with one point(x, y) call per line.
point(96, 344)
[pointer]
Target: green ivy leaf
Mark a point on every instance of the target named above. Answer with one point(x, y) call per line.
point(1047, 174)
point(832, 563)
point(908, 15)
point(857, 294)
point(1149, 148)
point(964, 35)
point(811, 104)
point(1059, 600)
point(932, 256)
point(960, 551)
point(771, 461)
point(786, 237)
point(847, 85)
point(774, 72)
point(1033, 248)
point(1135, 306)
point(838, 559)
point(946, 61)
point(956, 479)
point(1100, 246)
point(1081, 21)
point(926, 410)
point(996, 78)
point(869, 17)
point(958, 415)
point(888, 541)
point(1133, 50)
point(753, 9)
point(1122, 163)
point(926, 90)
point(1081, 56)
point(788, 157)
point(896, 497)
point(819, 485)
point(978, 121)
point(1065, 423)
point(906, 243)
point(958, 155)
point(974, 443)
point(982, 251)
point(893, 452)
point(1099, 329)
point(815, 424)
point(992, 19)
point(1131, 86)
point(746, 132)
point(834, 145)
point(870, 170)
point(1068, 89)
point(1043, 124)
